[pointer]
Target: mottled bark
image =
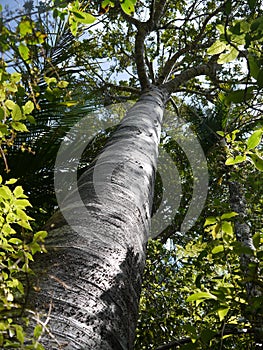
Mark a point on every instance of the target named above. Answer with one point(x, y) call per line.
point(90, 280)
point(249, 264)
point(242, 229)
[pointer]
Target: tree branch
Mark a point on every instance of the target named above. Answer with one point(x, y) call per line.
point(208, 69)
point(168, 67)
point(123, 88)
point(157, 12)
point(139, 56)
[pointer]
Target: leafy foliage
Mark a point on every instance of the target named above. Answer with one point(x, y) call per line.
point(195, 296)
point(18, 246)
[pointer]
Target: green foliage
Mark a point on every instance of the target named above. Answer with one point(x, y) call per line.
point(249, 150)
point(78, 16)
point(18, 247)
point(196, 294)
point(233, 38)
point(239, 96)
point(14, 113)
point(18, 242)
point(218, 226)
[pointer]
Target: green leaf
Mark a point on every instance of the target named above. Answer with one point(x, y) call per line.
point(5, 192)
point(236, 160)
point(105, 3)
point(10, 104)
point(128, 7)
point(83, 17)
point(228, 215)
point(240, 27)
point(38, 330)
point(73, 25)
point(40, 236)
point(3, 130)
point(15, 77)
point(222, 313)
point(227, 227)
point(221, 133)
point(17, 113)
point(22, 203)
point(15, 241)
point(229, 56)
point(190, 329)
point(22, 214)
point(257, 24)
point(19, 192)
point(2, 114)
point(252, 4)
point(257, 161)
point(201, 296)
point(31, 119)
point(49, 81)
point(25, 28)
point(62, 84)
point(210, 220)
point(228, 7)
point(24, 224)
point(254, 140)
point(20, 334)
point(254, 66)
point(260, 79)
point(8, 230)
point(217, 47)
point(24, 51)
point(34, 248)
point(207, 335)
point(15, 109)
point(28, 107)
point(218, 249)
point(240, 96)
point(11, 181)
point(19, 126)
point(215, 230)
point(256, 240)
point(221, 28)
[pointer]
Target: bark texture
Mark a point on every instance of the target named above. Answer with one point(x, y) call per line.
point(248, 262)
point(88, 285)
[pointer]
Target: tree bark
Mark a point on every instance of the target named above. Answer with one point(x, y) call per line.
point(248, 262)
point(87, 286)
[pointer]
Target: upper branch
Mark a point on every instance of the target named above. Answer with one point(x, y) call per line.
point(139, 57)
point(208, 69)
point(168, 67)
point(157, 11)
point(143, 29)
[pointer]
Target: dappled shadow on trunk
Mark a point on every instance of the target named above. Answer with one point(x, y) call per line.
point(87, 296)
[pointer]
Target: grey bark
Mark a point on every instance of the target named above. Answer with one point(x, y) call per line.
point(88, 285)
point(248, 262)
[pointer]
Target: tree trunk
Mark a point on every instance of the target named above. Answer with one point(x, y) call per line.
point(248, 263)
point(88, 285)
